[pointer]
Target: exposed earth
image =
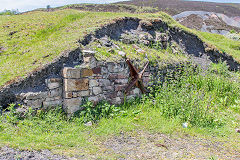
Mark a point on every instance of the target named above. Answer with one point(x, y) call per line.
point(216, 18)
point(141, 145)
point(144, 145)
point(207, 17)
point(209, 21)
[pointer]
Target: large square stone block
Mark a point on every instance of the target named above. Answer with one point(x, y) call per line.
point(71, 72)
point(76, 85)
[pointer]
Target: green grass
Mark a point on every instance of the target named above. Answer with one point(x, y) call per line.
point(42, 36)
point(209, 102)
point(215, 41)
point(32, 40)
point(155, 54)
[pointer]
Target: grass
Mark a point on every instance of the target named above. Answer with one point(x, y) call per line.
point(154, 53)
point(208, 102)
point(40, 37)
point(216, 41)
point(32, 40)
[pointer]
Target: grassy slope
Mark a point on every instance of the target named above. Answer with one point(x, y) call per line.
point(42, 36)
point(50, 33)
point(209, 103)
point(222, 43)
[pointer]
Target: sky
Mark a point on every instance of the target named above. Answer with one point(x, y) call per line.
point(26, 5)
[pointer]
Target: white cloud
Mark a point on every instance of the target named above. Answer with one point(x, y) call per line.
point(24, 5)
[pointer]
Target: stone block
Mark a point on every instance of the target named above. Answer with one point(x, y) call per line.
point(94, 100)
point(93, 83)
point(75, 85)
point(81, 94)
point(47, 104)
point(68, 95)
point(108, 88)
point(104, 82)
point(111, 95)
point(53, 83)
point(71, 72)
point(101, 97)
point(21, 96)
point(86, 72)
point(120, 94)
point(88, 53)
point(55, 92)
point(35, 104)
point(36, 95)
point(90, 61)
point(121, 81)
point(100, 63)
point(84, 93)
point(74, 94)
point(93, 62)
point(72, 105)
point(120, 87)
point(117, 76)
point(112, 67)
point(104, 70)
point(97, 70)
point(97, 90)
point(53, 99)
point(86, 59)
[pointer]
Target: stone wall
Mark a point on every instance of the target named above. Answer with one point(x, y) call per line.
point(52, 85)
point(93, 81)
point(96, 81)
point(45, 99)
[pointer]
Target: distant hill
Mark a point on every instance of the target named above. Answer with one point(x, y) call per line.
point(174, 7)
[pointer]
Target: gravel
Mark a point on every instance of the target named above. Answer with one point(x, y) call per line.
point(15, 154)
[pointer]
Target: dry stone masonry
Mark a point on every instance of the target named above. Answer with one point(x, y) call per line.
point(93, 81)
point(77, 76)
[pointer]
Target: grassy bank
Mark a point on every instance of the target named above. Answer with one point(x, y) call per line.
point(208, 102)
point(34, 39)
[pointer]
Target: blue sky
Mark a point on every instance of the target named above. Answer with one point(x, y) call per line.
point(25, 5)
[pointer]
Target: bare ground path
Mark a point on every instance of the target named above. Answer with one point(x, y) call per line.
point(143, 146)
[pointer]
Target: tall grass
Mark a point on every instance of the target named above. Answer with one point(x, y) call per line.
point(203, 100)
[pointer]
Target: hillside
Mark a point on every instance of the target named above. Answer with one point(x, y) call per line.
point(46, 35)
point(64, 77)
point(174, 7)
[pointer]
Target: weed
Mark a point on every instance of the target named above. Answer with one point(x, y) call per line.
point(95, 113)
point(207, 102)
point(220, 68)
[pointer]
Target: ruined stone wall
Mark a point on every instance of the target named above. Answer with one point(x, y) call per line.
point(93, 81)
point(51, 85)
